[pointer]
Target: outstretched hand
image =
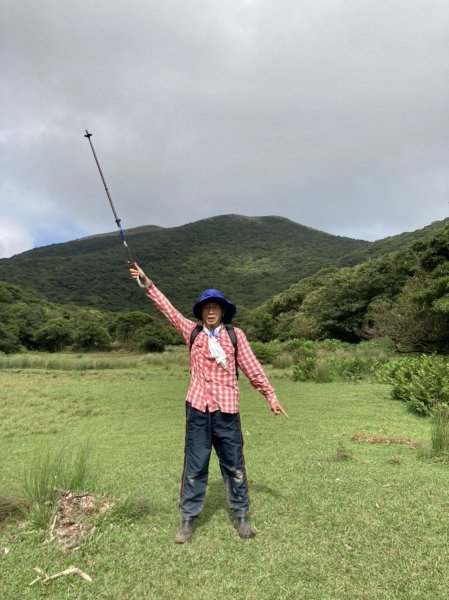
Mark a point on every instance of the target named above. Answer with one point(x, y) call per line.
point(140, 277)
point(278, 410)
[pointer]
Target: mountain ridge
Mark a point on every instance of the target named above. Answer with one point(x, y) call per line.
point(250, 258)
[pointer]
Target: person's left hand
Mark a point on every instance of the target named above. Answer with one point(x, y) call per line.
point(278, 410)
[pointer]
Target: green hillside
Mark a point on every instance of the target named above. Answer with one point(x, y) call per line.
point(394, 243)
point(402, 295)
point(250, 259)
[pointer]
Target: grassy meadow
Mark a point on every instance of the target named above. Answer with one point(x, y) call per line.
point(336, 519)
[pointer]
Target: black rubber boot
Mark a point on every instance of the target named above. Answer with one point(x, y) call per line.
point(245, 530)
point(185, 532)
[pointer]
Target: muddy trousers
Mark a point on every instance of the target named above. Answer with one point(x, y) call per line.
point(221, 431)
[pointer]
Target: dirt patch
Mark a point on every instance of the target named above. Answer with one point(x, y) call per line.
point(73, 521)
point(379, 438)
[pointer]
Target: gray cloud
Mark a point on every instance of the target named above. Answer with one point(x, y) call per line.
point(333, 114)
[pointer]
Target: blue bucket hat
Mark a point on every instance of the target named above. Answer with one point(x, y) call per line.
point(212, 295)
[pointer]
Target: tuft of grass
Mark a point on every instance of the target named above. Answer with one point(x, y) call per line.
point(440, 431)
point(50, 472)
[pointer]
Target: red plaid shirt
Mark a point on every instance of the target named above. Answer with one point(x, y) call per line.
point(211, 386)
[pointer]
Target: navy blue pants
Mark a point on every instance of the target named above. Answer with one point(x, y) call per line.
point(221, 431)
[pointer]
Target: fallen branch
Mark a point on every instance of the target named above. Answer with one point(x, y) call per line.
point(44, 578)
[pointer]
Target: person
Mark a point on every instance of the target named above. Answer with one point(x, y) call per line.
point(212, 403)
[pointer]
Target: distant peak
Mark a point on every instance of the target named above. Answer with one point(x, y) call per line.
point(132, 231)
point(244, 218)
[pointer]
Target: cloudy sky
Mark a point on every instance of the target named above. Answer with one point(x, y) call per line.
point(333, 113)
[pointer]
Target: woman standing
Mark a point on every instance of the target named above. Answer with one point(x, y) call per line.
point(212, 402)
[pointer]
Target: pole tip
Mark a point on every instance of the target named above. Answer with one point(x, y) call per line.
point(87, 134)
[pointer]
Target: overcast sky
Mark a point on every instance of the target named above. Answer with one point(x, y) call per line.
point(333, 113)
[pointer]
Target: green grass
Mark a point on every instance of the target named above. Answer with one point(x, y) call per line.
point(368, 526)
point(68, 469)
point(95, 361)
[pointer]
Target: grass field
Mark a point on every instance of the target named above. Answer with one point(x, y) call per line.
point(336, 519)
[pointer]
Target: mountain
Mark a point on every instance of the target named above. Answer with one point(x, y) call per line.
point(249, 258)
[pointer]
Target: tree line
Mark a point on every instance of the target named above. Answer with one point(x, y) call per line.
point(29, 322)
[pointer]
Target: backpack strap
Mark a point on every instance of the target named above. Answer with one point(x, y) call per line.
point(195, 332)
point(232, 336)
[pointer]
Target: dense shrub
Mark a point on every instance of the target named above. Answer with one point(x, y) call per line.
point(326, 369)
point(54, 335)
point(9, 341)
point(306, 370)
point(92, 336)
point(284, 360)
point(330, 360)
point(352, 367)
point(301, 349)
point(266, 353)
point(150, 340)
point(312, 369)
point(421, 382)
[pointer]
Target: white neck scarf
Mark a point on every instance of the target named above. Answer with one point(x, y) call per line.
point(215, 349)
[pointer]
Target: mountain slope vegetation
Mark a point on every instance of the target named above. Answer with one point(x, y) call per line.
point(250, 259)
point(403, 296)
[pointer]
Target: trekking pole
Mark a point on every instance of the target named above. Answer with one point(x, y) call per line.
point(117, 220)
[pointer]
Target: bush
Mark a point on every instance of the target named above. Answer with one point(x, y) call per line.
point(422, 382)
point(312, 369)
point(307, 349)
point(54, 335)
point(92, 336)
point(325, 360)
point(352, 368)
point(305, 370)
point(9, 341)
point(150, 340)
point(322, 370)
point(266, 352)
point(284, 360)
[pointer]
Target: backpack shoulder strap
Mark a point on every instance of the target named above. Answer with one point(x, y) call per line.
point(193, 335)
point(231, 332)
point(232, 336)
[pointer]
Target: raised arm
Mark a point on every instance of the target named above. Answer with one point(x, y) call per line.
point(163, 304)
